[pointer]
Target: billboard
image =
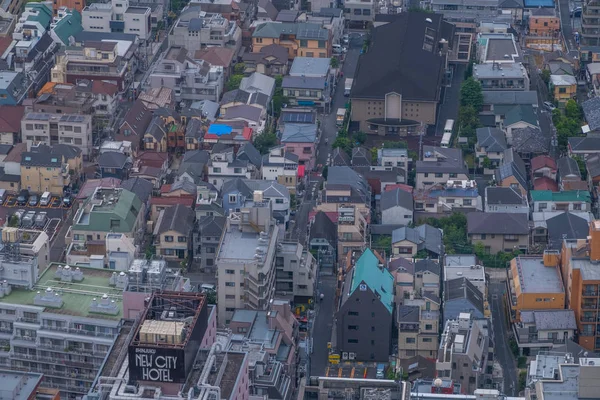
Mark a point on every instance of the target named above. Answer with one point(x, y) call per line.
point(155, 364)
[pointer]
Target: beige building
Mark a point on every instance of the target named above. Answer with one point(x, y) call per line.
point(417, 332)
point(499, 231)
point(44, 172)
point(173, 232)
point(51, 129)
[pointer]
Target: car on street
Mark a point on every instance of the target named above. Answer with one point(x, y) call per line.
point(67, 201)
point(23, 197)
point(549, 106)
point(576, 12)
point(33, 200)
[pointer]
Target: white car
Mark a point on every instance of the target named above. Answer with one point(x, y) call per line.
point(549, 106)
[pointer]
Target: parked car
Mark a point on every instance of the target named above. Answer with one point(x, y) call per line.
point(23, 197)
point(576, 12)
point(549, 106)
point(28, 219)
point(40, 219)
point(67, 201)
point(33, 200)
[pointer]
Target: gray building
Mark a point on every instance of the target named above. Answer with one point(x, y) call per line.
point(494, 76)
point(206, 237)
point(500, 199)
point(461, 296)
point(323, 240)
point(396, 207)
point(365, 317)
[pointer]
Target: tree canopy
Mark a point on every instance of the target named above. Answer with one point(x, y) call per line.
point(471, 94)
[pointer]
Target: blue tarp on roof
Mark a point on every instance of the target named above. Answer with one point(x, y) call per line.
point(538, 3)
point(219, 130)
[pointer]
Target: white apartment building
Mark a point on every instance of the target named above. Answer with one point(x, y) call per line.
point(51, 129)
point(23, 255)
point(245, 260)
point(196, 30)
point(190, 80)
point(393, 158)
point(117, 16)
point(295, 270)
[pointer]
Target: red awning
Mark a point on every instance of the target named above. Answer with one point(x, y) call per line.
point(300, 171)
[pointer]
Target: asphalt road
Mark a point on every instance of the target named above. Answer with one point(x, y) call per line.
point(448, 109)
point(544, 116)
point(566, 26)
point(322, 327)
point(502, 350)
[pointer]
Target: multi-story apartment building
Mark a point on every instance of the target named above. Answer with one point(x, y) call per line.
point(106, 61)
point(78, 5)
point(300, 39)
point(417, 332)
point(359, 13)
point(196, 30)
point(496, 76)
point(590, 23)
point(467, 14)
point(119, 17)
point(44, 172)
point(223, 166)
point(348, 194)
point(295, 272)
point(463, 352)
point(51, 129)
point(246, 261)
point(62, 325)
point(23, 257)
point(190, 80)
point(534, 283)
point(541, 330)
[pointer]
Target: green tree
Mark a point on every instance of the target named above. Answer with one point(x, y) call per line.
point(582, 167)
point(13, 221)
point(344, 143)
point(265, 141)
point(399, 144)
point(234, 82)
point(573, 110)
point(374, 156)
point(455, 232)
point(360, 137)
point(211, 296)
point(239, 68)
point(486, 162)
point(546, 76)
point(325, 172)
point(384, 243)
point(468, 121)
point(334, 62)
point(471, 94)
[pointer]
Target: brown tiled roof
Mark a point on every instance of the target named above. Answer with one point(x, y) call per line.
point(218, 56)
point(101, 87)
point(15, 154)
point(138, 117)
point(10, 118)
point(169, 201)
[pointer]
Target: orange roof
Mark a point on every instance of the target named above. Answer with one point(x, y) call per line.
point(47, 88)
point(545, 183)
point(14, 154)
point(101, 87)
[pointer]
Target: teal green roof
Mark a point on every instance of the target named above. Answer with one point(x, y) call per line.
point(101, 216)
point(68, 26)
point(520, 113)
point(43, 16)
point(380, 281)
point(570, 195)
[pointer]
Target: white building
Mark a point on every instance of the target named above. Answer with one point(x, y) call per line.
point(281, 166)
point(245, 259)
point(51, 129)
point(393, 158)
point(117, 16)
point(295, 271)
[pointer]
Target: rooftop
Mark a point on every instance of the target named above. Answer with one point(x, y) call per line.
point(18, 385)
point(241, 246)
point(535, 277)
point(506, 71)
point(77, 296)
point(499, 47)
point(568, 196)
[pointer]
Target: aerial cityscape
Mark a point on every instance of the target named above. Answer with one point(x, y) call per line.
point(298, 200)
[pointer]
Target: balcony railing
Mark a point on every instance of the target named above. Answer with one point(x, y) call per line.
point(590, 293)
point(589, 306)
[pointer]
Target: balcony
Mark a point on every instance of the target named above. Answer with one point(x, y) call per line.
point(590, 293)
point(589, 306)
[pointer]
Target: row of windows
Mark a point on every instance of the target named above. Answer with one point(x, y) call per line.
point(440, 175)
point(180, 239)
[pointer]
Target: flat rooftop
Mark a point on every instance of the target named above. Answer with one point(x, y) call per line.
point(565, 389)
point(18, 385)
point(499, 48)
point(508, 70)
point(535, 277)
point(77, 296)
point(136, 10)
point(472, 274)
point(589, 271)
point(241, 246)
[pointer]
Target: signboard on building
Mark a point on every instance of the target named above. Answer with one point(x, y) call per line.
point(156, 364)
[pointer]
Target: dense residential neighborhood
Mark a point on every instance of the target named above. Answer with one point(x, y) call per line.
point(255, 200)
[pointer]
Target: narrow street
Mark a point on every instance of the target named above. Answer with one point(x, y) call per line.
point(322, 327)
point(566, 27)
point(502, 351)
point(448, 108)
point(544, 116)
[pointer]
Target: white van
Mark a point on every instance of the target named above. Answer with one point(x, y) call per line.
point(338, 49)
point(207, 287)
point(45, 199)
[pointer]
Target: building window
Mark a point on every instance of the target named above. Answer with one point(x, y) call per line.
point(230, 284)
point(303, 43)
point(352, 327)
point(428, 327)
point(352, 340)
point(232, 198)
point(427, 340)
point(410, 340)
point(353, 313)
point(230, 271)
point(181, 239)
point(168, 238)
